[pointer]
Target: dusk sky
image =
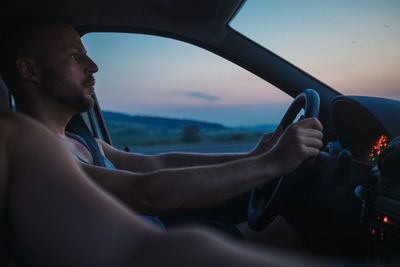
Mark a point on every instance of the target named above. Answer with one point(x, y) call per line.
point(352, 46)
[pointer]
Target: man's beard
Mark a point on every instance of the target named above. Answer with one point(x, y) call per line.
point(64, 92)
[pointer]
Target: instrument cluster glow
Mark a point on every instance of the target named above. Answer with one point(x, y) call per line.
point(380, 144)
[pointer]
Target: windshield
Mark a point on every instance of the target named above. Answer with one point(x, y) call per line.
point(353, 46)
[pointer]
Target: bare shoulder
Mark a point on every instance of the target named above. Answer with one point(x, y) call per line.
point(10, 125)
point(19, 132)
point(9, 121)
point(15, 123)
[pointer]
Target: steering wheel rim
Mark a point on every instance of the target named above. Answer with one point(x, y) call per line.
point(267, 201)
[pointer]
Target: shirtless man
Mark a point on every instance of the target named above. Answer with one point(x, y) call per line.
point(45, 65)
point(56, 216)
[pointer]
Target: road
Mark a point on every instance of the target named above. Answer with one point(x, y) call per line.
point(200, 148)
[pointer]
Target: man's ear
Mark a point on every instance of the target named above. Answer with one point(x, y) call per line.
point(28, 69)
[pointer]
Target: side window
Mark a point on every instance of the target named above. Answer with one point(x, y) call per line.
point(159, 95)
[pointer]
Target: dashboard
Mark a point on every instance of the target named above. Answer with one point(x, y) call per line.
point(365, 125)
point(369, 128)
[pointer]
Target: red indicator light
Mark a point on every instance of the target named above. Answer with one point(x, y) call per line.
point(373, 231)
point(385, 219)
point(377, 148)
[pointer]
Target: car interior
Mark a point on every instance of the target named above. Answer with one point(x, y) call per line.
point(349, 205)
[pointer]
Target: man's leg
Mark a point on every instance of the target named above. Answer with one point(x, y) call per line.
point(223, 217)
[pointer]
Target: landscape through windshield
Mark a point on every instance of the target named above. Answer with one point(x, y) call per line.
point(353, 46)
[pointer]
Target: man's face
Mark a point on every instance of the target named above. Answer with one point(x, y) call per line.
point(66, 70)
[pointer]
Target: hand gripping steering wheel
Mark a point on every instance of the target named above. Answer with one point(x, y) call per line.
point(268, 200)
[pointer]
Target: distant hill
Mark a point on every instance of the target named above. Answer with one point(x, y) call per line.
point(157, 122)
point(134, 130)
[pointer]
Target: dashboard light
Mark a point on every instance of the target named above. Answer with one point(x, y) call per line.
point(385, 219)
point(380, 144)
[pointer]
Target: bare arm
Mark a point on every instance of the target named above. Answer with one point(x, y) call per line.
point(147, 163)
point(191, 188)
point(187, 188)
point(61, 218)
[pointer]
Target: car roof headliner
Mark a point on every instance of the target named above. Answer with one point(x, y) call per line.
point(195, 19)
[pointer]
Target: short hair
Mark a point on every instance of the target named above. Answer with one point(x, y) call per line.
point(21, 39)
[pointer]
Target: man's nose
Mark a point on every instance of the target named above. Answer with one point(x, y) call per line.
point(91, 66)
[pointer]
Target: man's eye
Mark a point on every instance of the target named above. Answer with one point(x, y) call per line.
point(74, 56)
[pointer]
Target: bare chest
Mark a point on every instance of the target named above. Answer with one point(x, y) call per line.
point(79, 150)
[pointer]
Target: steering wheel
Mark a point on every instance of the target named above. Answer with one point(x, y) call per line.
point(268, 200)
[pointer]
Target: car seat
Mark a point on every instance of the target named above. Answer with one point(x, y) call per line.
point(5, 97)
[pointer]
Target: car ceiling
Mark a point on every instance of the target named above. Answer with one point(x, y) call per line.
point(194, 19)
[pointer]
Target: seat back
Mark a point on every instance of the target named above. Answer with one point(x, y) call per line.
point(5, 97)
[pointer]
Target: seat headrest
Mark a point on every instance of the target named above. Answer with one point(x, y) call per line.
point(4, 97)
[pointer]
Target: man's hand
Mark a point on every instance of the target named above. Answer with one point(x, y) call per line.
point(267, 141)
point(300, 141)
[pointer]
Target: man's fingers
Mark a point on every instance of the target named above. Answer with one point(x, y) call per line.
point(311, 152)
point(312, 133)
point(313, 142)
point(313, 123)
